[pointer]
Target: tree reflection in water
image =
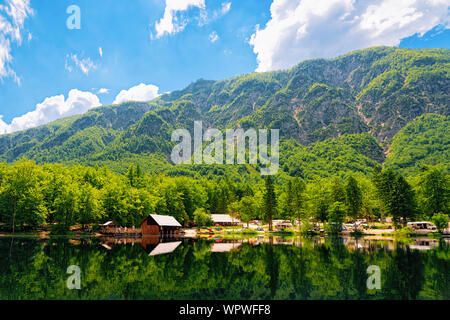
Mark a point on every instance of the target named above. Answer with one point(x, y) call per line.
point(258, 268)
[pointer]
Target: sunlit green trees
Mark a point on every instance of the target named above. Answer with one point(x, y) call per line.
point(90, 207)
point(247, 209)
point(67, 207)
point(22, 197)
point(440, 220)
point(114, 203)
point(202, 218)
point(61, 197)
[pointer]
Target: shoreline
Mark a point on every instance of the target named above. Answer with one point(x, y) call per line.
point(381, 234)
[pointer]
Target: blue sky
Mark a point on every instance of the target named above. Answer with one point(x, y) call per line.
point(165, 45)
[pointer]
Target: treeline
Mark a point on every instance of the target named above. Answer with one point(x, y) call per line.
point(33, 196)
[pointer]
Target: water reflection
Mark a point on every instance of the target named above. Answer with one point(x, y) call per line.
point(253, 268)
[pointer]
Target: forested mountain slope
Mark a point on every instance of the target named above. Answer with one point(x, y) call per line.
point(424, 141)
point(335, 116)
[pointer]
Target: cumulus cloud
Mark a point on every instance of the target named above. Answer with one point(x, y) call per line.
point(303, 29)
point(85, 65)
point(100, 51)
point(12, 18)
point(52, 108)
point(141, 92)
point(103, 91)
point(171, 23)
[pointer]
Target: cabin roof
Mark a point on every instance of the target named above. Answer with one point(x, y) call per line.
point(223, 218)
point(419, 222)
point(109, 223)
point(165, 221)
point(277, 222)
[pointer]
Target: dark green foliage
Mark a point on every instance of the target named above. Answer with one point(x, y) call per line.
point(270, 201)
point(336, 215)
point(396, 194)
point(353, 198)
point(434, 191)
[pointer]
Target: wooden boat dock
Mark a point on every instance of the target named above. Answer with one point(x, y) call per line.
point(110, 229)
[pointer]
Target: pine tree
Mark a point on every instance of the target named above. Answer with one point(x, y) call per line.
point(337, 191)
point(434, 191)
point(270, 201)
point(397, 196)
point(353, 198)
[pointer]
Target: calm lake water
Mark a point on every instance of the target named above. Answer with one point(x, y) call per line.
point(264, 268)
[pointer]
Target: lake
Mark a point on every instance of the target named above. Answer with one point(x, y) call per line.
point(202, 269)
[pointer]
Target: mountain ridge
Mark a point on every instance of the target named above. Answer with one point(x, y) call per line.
point(377, 91)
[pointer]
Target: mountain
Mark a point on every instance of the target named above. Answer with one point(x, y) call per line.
point(335, 116)
point(424, 141)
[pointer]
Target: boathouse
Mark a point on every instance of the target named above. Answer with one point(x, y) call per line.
point(156, 225)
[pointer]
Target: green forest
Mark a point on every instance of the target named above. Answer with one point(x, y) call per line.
point(33, 196)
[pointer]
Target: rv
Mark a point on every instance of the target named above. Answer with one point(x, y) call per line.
point(422, 225)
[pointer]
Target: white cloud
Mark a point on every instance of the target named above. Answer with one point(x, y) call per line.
point(52, 108)
point(226, 6)
point(213, 37)
point(85, 65)
point(12, 18)
point(100, 51)
point(103, 91)
point(170, 23)
point(141, 92)
point(303, 29)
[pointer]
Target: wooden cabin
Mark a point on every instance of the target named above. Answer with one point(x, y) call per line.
point(156, 225)
point(224, 220)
